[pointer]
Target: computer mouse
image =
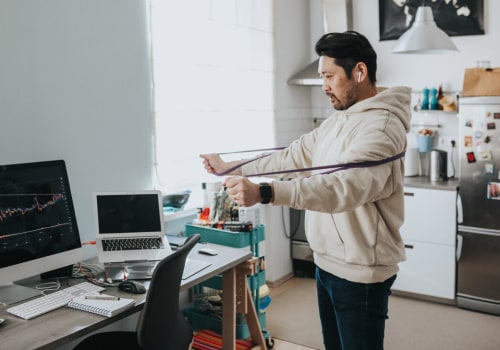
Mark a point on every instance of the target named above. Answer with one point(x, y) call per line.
point(133, 287)
point(207, 251)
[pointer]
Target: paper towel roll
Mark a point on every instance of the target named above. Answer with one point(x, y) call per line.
point(412, 162)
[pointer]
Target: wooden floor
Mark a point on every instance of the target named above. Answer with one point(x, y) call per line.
point(283, 345)
point(413, 324)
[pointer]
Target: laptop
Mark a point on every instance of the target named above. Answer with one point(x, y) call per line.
point(130, 228)
point(131, 236)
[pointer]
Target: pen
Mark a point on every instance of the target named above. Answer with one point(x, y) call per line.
point(102, 297)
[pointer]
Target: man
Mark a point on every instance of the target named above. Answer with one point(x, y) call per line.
point(353, 215)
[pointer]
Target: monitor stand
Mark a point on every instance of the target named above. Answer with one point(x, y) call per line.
point(65, 271)
point(13, 293)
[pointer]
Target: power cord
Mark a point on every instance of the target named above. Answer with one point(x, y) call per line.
point(48, 287)
point(91, 273)
point(451, 158)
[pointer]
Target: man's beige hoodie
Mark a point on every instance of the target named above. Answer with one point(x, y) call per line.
point(353, 216)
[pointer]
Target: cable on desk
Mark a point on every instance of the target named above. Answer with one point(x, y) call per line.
point(48, 286)
point(90, 272)
point(82, 270)
point(124, 271)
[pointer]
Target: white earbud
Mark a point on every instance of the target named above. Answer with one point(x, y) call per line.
point(359, 76)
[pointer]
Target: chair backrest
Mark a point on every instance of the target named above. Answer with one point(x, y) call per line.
point(161, 323)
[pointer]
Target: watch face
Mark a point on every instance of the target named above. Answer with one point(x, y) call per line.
point(266, 193)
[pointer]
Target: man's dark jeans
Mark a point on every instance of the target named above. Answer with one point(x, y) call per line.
point(352, 314)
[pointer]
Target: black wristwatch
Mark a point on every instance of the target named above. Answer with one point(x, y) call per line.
point(266, 192)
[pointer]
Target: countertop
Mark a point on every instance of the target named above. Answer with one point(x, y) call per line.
point(425, 182)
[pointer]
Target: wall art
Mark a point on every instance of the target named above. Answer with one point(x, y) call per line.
point(455, 17)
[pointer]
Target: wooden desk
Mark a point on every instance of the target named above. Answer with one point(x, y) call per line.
point(64, 325)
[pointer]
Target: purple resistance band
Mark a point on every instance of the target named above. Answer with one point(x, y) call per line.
point(333, 167)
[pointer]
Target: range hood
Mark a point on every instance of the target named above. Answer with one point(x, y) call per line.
point(337, 17)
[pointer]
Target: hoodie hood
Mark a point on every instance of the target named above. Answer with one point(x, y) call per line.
point(397, 100)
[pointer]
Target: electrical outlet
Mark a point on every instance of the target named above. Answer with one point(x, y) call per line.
point(445, 142)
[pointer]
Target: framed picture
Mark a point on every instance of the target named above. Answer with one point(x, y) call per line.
point(493, 190)
point(456, 18)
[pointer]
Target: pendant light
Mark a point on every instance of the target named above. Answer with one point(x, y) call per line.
point(424, 36)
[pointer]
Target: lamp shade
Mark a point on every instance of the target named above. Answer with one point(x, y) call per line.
point(424, 36)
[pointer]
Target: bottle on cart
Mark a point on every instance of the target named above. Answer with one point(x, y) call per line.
point(205, 210)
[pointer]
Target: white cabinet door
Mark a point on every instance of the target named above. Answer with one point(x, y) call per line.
point(429, 270)
point(429, 233)
point(430, 215)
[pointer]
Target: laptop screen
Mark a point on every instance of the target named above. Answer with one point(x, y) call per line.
point(133, 212)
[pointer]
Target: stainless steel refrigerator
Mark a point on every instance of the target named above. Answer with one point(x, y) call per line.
point(478, 239)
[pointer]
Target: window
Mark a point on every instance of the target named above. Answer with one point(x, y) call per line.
point(213, 84)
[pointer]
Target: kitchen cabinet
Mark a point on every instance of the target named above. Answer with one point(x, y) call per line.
point(429, 234)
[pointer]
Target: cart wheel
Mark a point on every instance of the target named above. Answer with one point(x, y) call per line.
point(269, 343)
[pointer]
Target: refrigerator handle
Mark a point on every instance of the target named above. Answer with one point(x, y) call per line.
point(460, 241)
point(460, 210)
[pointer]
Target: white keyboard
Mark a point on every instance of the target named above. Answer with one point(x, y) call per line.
point(52, 301)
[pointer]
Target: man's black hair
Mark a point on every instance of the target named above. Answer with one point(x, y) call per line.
point(349, 48)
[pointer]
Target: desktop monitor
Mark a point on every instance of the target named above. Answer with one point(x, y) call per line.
point(38, 229)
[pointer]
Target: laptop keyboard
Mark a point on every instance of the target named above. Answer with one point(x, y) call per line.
point(132, 244)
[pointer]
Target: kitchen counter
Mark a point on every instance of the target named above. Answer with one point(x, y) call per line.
point(425, 182)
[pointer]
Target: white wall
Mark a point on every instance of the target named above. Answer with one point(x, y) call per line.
point(76, 85)
point(292, 109)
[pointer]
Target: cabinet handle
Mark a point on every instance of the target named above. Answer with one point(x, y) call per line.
point(460, 210)
point(409, 194)
point(460, 242)
point(409, 246)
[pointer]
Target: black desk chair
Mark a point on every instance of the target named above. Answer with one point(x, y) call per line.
point(161, 323)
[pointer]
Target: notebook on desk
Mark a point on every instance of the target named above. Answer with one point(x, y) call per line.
point(130, 228)
point(99, 305)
